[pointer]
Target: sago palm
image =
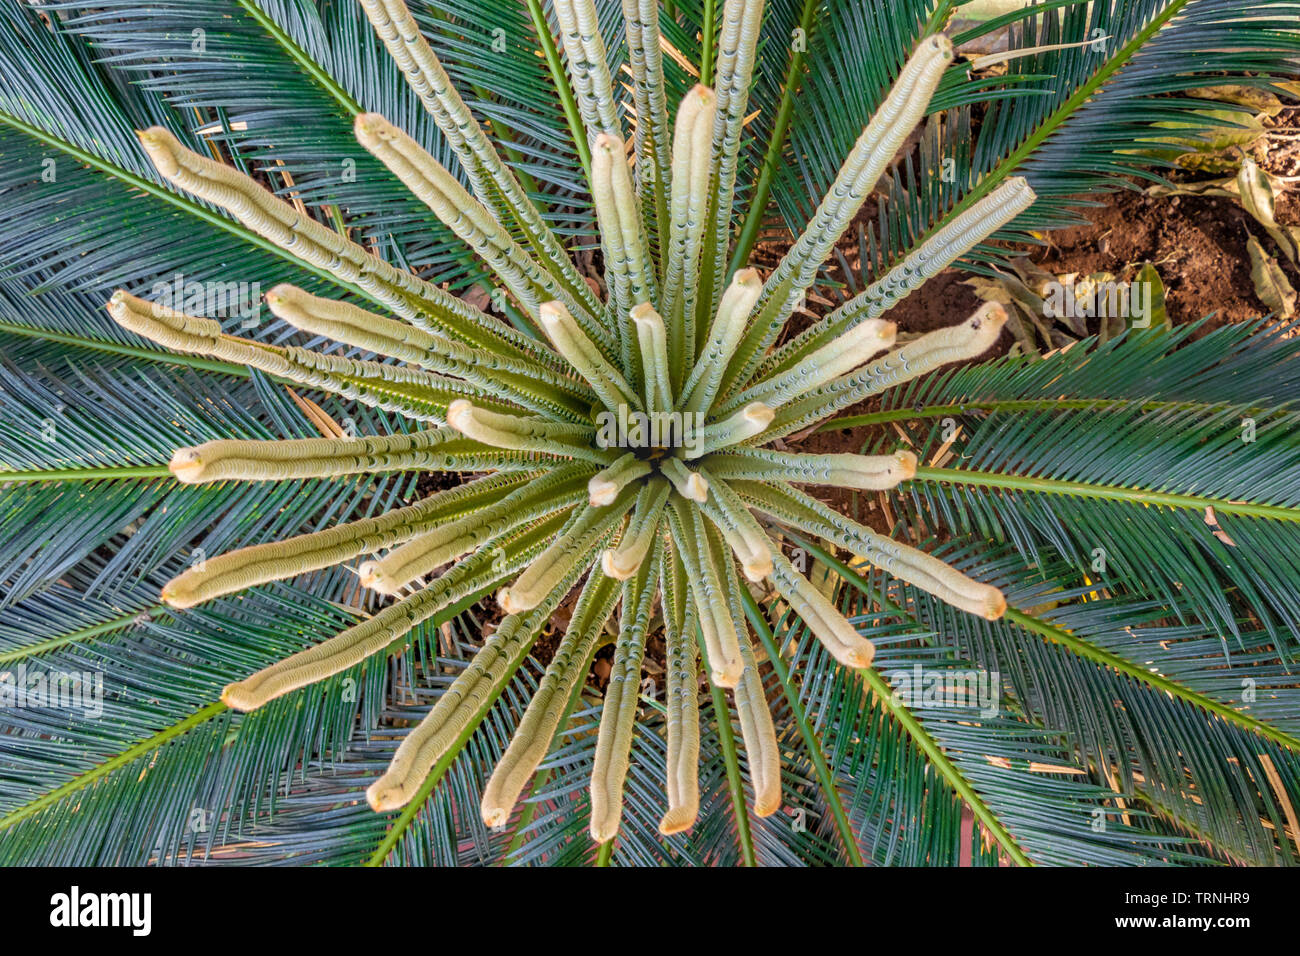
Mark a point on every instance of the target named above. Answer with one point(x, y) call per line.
point(557, 405)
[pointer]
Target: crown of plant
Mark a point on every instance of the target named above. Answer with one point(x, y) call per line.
point(621, 440)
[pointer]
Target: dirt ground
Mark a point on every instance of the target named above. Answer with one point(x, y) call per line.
point(1198, 245)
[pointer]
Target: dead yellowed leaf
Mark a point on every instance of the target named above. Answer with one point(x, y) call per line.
point(1218, 532)
point(1256, 190)
point(316, 415)
point(1271, 283)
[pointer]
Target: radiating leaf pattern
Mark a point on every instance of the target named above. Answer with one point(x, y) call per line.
point(1116, 576)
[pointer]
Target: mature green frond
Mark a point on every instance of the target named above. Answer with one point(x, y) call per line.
point(1066, 119)
point(489, 250)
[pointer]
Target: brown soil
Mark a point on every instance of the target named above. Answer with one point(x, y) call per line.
point(1197, 244)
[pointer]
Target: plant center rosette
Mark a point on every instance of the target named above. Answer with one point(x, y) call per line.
point(626, 444)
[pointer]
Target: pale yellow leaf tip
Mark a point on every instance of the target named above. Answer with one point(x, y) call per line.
point(677, 820)
point(384, 797)
point(992, 313)
point(495, 816)
point(697, 488)
point(175, 594)
point(160, 145)
point(237, 697)
point(758, 569)
point(186, 466)
point(861, 654)
point(907, 463)
point(603, 831)
point(612, 569)
point(705, 94)
point(727, 676)
point(601, 492)
point(645, 314)
point(550, 312)
point(767, 804)
point(514, 603)
point(373, 577)
point(995, 604)
point(371, 129)
point(459, 413)
point(284, 292)
point(759, 414)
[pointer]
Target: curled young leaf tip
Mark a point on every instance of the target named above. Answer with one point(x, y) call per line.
point(186, 465)
point(372, 129)
point(551, 312)
point(697, 488)
point(161, 147)
point(705, 94)
point(758, 414)
point(727, 675)
point(513, 603)
point(601, 491)
point(236, 698)
point(384, 797)
point(175, 594)
point(644, 314)
point(610, 566)
point(372, 577)
point(494, 816)
point(460, 414)
point(758, 569)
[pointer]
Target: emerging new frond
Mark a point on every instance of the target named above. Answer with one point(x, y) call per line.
point(624, 445)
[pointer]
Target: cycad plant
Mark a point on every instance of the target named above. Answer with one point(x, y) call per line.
point(561, 402)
